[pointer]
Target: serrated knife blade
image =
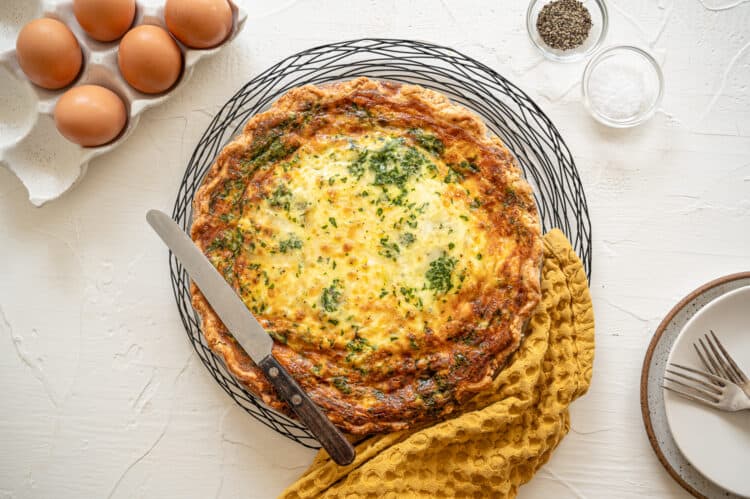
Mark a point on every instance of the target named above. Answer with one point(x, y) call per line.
point(249, 334)
point(225, 301)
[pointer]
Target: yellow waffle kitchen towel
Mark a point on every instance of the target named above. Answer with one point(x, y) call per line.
point(503, 435)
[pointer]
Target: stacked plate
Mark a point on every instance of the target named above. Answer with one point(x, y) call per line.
point(707, 451)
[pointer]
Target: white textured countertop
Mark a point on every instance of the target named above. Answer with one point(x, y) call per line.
point(101, 393)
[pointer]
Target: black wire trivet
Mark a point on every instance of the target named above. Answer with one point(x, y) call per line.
point(508, 112)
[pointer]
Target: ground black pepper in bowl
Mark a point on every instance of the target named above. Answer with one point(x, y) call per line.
point(564, 24)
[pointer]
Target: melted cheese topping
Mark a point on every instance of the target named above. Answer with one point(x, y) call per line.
point(362, 245)
point(384, 240)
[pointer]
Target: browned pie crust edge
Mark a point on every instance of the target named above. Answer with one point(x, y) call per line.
point(401, 105)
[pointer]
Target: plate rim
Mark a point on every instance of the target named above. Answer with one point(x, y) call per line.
point(645, 409)
point(698, 314)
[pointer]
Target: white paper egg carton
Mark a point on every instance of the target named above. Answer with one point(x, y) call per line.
point(30, 145)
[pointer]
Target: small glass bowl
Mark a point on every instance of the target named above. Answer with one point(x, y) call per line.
point(630, 65)
point(599, 24)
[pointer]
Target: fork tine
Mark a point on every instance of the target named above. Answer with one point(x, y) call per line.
point(689, 396)
point(709, 386)
point(741, 375)
point(716, 379)
point(713, 368)
point(725, 369)
point(694, 390)
point(697, 395)
point(703, 359)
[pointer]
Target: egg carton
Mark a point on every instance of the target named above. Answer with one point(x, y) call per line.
point(47, 164)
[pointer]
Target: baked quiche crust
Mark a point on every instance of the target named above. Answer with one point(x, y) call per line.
point(383, 238)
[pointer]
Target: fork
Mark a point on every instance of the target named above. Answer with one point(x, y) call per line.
point(718, 362)
point(706, 388)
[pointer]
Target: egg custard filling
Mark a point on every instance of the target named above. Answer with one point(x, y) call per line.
point(392, 253)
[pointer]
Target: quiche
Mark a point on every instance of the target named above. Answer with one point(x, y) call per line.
point(385, 240)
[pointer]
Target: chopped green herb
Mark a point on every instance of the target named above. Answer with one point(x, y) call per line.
point(389, 249)
point(280, 198)
point(429, 142)
point(453, 176)
point(360, 112)
point(439, 273)
point(468, 165)
point(393, 164)
point(331, 297)
point(276, 335)
point(342, 384)
point(407, 238)
point(292, 243)
point(230, 239)
point(410, 295)
point(232, 191)
point(332, 221)
point(460, 360)
point(469, 338)
point(358, 344)
point(358, 166)
point(511, 197)
point(268, 148)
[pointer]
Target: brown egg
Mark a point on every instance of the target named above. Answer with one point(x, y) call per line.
point(104, 20)
point(149, 59)
point(90, 115)
point(49, 53)
point(199, 24)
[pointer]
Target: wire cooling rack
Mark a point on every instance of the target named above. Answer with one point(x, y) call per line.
point(508, 112)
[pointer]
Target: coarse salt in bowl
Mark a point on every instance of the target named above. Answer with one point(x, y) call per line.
point(622, 86)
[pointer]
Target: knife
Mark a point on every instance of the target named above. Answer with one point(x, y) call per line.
point(249, 334)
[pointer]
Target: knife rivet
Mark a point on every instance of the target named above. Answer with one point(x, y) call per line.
point(273, 372)
point(296, 399)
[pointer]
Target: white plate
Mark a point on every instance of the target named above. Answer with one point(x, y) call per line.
point(716, 443)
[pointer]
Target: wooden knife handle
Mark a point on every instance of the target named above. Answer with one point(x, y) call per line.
point(328, 435)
